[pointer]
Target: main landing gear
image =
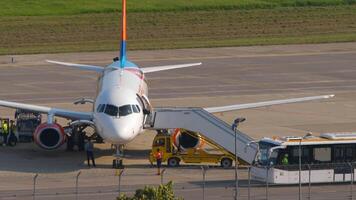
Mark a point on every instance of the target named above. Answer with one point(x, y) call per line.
point(117, 162)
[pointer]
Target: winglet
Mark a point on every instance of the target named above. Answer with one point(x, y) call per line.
point(123, 36)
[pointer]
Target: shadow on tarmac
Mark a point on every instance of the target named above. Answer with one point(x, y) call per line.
point(29, 158)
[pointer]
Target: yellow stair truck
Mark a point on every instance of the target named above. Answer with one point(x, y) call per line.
point(182, 145)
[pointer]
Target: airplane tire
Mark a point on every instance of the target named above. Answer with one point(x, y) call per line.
point(117, 164)
point(226, 163)
point(173, 162)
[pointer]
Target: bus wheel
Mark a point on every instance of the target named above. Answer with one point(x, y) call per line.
point(173, 162)
point(226, 163)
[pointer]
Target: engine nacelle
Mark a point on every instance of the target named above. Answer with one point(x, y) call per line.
point(49, 136)
point(185, 139)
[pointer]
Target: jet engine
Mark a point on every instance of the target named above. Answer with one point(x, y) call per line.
point(185, 139)
point(49, 136)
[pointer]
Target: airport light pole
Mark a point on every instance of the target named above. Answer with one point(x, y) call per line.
point(249, 168)
point(300, 163)
point(234, 128)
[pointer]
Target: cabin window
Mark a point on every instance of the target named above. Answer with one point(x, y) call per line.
point(111, 110)
point(125, 110)
point(322, 154)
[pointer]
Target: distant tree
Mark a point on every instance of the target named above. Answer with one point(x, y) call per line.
point(162, 192)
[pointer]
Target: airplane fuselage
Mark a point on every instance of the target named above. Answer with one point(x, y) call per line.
point(118, 108)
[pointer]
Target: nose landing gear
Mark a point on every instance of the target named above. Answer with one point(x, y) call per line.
point(117, 162)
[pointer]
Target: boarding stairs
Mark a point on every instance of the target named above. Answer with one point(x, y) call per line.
point(208, 125)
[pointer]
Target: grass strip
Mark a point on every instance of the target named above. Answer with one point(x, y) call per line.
point(150, 30)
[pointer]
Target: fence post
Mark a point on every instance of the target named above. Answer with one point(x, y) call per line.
point(352, 180)
point(267, 169)
point(162, 173)
point(34, 186)
point(249, 183)
point(77, 184)
point(204, 169)
point(309, 185)
point(119, 173)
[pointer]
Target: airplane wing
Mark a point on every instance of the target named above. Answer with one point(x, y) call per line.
point(167, 67)
point(80, 66)
point(264, 103)
point(43, 109)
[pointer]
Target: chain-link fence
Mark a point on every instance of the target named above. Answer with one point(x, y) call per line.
point(190, 182)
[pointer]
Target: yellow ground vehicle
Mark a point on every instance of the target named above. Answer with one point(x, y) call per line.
point(173, 155)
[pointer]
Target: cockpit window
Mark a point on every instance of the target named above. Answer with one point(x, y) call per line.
point(111, 110)
point(100, 108)
point(118, 111)
point(135, 108)
point(125, 110)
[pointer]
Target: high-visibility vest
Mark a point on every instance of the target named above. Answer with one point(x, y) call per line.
point(5, 128)
point(158, 155)
point(285, 161)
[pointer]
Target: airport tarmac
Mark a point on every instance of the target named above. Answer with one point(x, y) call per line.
point(228, 76)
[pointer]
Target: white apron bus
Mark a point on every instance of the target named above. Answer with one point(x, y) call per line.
point(325, 159)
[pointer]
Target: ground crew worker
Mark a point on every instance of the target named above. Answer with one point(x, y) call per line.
point(89, 148)
point(1, 130)
point(11, 139)
point(285, 159)
point(158, 157)
point(5, 131)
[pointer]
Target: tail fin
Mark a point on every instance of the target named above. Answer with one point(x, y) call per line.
point(123, 36)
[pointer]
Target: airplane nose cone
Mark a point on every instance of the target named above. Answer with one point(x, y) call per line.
point(121, 133)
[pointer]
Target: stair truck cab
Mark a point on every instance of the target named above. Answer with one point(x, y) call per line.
point(327, 158)
point(180, 145)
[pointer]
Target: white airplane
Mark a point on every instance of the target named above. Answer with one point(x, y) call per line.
point(121, 104)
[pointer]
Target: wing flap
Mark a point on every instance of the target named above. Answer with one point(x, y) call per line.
point(264, 103)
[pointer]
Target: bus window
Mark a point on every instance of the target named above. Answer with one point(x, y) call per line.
point(343, 153)
point(159, 142)
point(349, 153)
point(305, 157)
point(322, 154)
point(338, 154)
point(264, 151)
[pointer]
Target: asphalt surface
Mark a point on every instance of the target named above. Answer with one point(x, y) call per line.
point(227, 76)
